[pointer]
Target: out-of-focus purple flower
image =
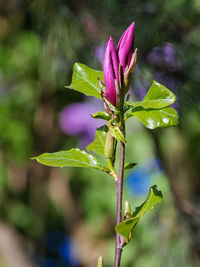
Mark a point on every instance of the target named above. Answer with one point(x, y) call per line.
point(165, 55)
point(75, 120)
point(99, 53)
point(125, 46)
point(168, 80)
point(111, 71)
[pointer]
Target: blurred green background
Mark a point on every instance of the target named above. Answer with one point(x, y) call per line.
point(65, 217)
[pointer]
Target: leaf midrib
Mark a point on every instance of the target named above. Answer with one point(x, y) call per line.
point(73, 160)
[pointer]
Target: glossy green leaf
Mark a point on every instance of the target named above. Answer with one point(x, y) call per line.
point(101, 115)
point(126, 227)
point(129, 165)
point(154, 118)
point(84, 80)
point(157, 97)
point(97, 145)
point(73, 157)
point(116, 132)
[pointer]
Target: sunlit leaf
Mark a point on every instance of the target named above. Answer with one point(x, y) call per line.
point(101, 115)
point(126, 227)
point(97, 145)
point(157, 97)
point(116, 132)
point(154, 118)
point(73, 157)
point(84, 80)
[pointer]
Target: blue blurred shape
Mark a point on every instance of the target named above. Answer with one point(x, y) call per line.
point(140, 178)
point(67, 252)
point(52, 263)
point(58, 243)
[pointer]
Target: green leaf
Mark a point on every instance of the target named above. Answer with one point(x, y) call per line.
point(73, 157)
point(155, 196)
point(101, 115)
point(84, 80)
point(157, 97)
point(154, 118)
point(116, 132)
point(97, 145)
point(126, 227)
point(111, 107)
point(129, 165)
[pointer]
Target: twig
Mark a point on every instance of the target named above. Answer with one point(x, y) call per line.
point(118, 247)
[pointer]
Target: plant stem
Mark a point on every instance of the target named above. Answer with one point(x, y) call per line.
point(118, 248)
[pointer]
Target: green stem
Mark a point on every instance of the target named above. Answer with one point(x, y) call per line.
point(112, 169)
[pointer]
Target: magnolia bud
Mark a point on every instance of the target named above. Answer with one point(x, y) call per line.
point(125, 47)
point(111, 71)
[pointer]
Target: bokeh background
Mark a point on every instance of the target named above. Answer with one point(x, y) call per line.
point(65, 217)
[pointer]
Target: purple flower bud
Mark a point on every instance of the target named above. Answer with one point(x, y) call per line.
point(125, 46)
point(111, 71)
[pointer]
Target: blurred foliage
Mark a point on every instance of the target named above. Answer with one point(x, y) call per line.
point(40, 41)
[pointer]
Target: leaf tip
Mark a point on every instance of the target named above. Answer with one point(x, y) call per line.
point(156, 191)
point(100, 262)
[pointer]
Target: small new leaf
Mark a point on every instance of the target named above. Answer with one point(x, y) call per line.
point(97, 145)
point(84, 80)
point(129, 165)
point(73, 157)
point(126, 227)
point(116, 132)
point(101, 115)
point(111, 107)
